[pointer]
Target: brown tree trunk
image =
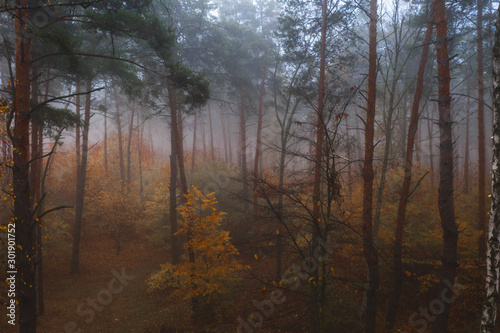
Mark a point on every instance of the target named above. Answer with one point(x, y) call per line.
point(105, 132)
point(139, 152)
point(243, 151)
point(224, 137)
point(405, 190)
point(259, 139)
point(129, 144)
point(431, 145)
point(212, 148)
point(78, 134)
point(120, 143)
point(80, 185)
point(193, 154)
point(229, 142)
point(369, 250)
point(203, 137)
point(176, 244)
point(445, 197)
point(481, 144)
point(467, 140)
point(25, 252)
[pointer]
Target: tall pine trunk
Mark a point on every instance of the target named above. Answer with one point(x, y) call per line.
point(258, 139)
point(369, 250)
point(129, 143)
point(25, 252)
point(445, 197)
point(243, 152)
point(212, 148)
point(481, 144)
point(120, 143)
point(193, 154)
point(176, 244)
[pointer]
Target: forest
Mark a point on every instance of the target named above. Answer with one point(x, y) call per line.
point(192, 166)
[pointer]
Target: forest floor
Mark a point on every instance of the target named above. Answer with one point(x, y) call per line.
point(131, 309)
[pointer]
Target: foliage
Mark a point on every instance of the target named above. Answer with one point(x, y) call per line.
point(214, 264)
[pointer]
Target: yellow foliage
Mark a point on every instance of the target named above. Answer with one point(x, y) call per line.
point(214, 264)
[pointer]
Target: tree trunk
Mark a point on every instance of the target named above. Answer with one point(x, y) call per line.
point(80, 185)
point(139, 153)
point(193, 154)
point(243, 152)
point(212, 148)
point(493, 246)
point(224, 137)
point(259, 139)
point(105, 132)
point(369, 250)
point(25, 277)
point(78, 134)
point(229, 142)
point(314, 315)
point(176, 245)
point(481, 138)
point(405, 190)
point(467, 140)
point(129, 144)
point(203, 137)
point(445, 197)
point(120, 144)
point(431, 145)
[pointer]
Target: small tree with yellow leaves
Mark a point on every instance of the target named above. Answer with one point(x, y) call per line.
point(212, 264)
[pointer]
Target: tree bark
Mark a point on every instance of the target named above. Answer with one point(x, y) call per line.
point(80, 184)
point(203, 138)
point(467, 140)
point(105, 132)
point(139, 152)
point(129, 144)
point(25, 253)
point(493, 246)
point(243, 152)
point(259, 138)
point(446, 186)
point(212, 148)
point(369, 250)
point(405, 190)
point(193, 154)
point(78, 134)
point(224, 137)
point(176, 245)
point(314, 315)
point(481, 137)
point(120, 143)
point(431, 145)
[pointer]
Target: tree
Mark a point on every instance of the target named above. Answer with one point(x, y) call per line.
point(489, 312)
point(481, 138)
point(23, 218)
point(213, 265)
point(369, 250)
point(445, 197)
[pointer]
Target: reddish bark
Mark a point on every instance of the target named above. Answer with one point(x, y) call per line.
point(445, 197)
